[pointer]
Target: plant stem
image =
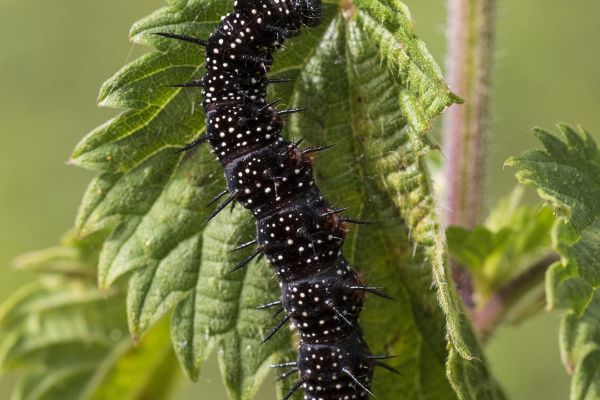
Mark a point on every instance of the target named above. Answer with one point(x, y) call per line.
point(470, 63)
point(466, 128)
point(486, 319)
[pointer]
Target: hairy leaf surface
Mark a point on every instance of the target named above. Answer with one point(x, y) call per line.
point(566, 174)
point(70, 340)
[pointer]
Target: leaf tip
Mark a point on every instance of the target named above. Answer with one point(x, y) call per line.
point(74, 161)
point(540, 132)
point(564, 127)
point(104, 284)
point(456, 99)
point(192, 372)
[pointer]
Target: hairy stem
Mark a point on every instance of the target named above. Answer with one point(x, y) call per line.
point(486, 318)
point(466, 128)
point(470, 63)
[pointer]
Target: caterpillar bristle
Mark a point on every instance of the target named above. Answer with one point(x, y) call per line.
point(293, 390)
point(359, 383)
point(195, 83)
point(271, 104)
point(291, 147)
point(380, 357)
point(278, 80)
point(269, 305)
point(355, 221)
point(183, 38)
point(387, 367)
point(286, 374)
point(219, 209)
point(276, 329)
point(247, 260)
point(317, 149)
point(189, 146)
point(336, 211)
point(217, 197)
point(374, 290)
point(342, 316)
point(284, 365)
point(244, 245)
point(255, 59)
point(291, 111)
point(243, 93)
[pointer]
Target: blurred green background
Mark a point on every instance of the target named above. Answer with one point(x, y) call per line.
point(55, 54)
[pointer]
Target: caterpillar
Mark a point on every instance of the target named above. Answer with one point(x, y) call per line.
point(298, 231)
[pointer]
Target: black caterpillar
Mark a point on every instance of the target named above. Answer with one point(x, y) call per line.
point(299, 232)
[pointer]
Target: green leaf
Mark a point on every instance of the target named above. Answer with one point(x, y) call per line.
point(76, 257)
point(162, 117)
point(221, 311)
point(70, 341)
point(381, 174)
point(340, 60)
point(370, 86)
point(513, 237)
point(566, 174)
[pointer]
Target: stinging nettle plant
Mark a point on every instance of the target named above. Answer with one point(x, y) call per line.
point(141, 288)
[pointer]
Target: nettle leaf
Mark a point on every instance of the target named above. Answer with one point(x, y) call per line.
point(512, 237)
point(221, 311)
point(380, 173)
point(346, 62)
point(70, 341)
point(371, 87)
point(566, 174)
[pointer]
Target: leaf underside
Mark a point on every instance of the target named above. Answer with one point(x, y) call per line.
point(566, 174)
point(369, 86)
